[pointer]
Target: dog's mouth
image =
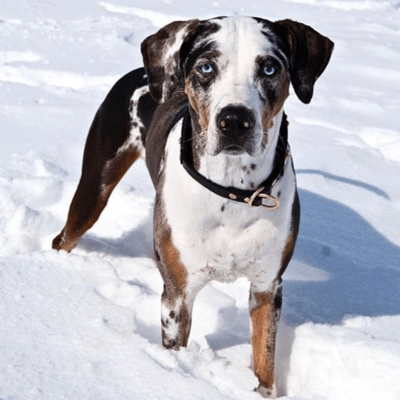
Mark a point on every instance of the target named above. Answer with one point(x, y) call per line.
point(233, 150)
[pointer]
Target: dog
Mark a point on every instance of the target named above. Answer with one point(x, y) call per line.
point(206, 111)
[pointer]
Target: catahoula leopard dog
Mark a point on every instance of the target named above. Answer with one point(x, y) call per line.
point(206, 112)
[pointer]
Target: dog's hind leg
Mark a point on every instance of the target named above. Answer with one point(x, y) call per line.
point(98, 180)
point(265, 308)
point(114, 143)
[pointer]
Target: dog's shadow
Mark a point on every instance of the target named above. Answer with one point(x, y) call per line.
point(357, 268)
point(356, 272)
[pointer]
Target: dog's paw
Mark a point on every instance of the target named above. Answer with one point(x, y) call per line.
point(265, 392)
point(59, 242)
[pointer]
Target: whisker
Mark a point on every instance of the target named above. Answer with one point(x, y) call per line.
point(200, 134)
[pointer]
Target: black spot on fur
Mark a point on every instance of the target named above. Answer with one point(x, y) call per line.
point(146, 104)
point(172, 314)
point(204, 30)
point(278, 298)
point(223, 208)
point(253, 166)
point(270, 36)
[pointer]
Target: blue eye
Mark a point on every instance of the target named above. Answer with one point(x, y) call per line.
point(206, 68)
point(269, 70)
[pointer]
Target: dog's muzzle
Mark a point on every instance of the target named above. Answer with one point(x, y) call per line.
point(236, 126)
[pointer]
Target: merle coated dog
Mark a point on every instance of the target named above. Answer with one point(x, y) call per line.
point(207, 114)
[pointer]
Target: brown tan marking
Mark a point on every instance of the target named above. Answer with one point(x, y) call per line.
point(170, 256)
point(264, 318)
point(200, 105)
point(271, 110)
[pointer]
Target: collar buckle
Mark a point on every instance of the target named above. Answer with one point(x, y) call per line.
point(275, 202)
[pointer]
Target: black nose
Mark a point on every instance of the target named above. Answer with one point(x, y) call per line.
point(235, 120)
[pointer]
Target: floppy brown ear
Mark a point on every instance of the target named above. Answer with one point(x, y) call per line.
point(309, 54)
point(161, 58)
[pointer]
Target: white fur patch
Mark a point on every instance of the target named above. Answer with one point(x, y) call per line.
point(168, 59)
point(267, 393)
point(134, 139)
point(137, 94)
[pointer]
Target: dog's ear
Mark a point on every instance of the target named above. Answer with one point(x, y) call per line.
point(309, 53)
point(161, 57)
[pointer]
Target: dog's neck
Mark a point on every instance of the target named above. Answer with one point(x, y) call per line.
point(240, 171)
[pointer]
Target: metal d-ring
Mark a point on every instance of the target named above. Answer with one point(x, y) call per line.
point(265, 196)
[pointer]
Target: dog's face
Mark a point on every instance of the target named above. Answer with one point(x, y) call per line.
point(236, 80)
point(236, 73)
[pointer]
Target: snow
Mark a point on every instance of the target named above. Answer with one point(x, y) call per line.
point(85, 325)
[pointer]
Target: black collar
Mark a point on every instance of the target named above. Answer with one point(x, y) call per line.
point(250, 197)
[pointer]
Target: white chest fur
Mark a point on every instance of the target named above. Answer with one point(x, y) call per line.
point(219, 239)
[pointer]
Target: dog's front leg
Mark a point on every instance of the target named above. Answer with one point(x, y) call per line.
point(176, 318)
point(177, 300)
point(265, 309)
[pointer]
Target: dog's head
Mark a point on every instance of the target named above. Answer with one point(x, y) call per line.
point(236, 73)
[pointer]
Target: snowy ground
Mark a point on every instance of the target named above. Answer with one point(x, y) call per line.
point(86, 325)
